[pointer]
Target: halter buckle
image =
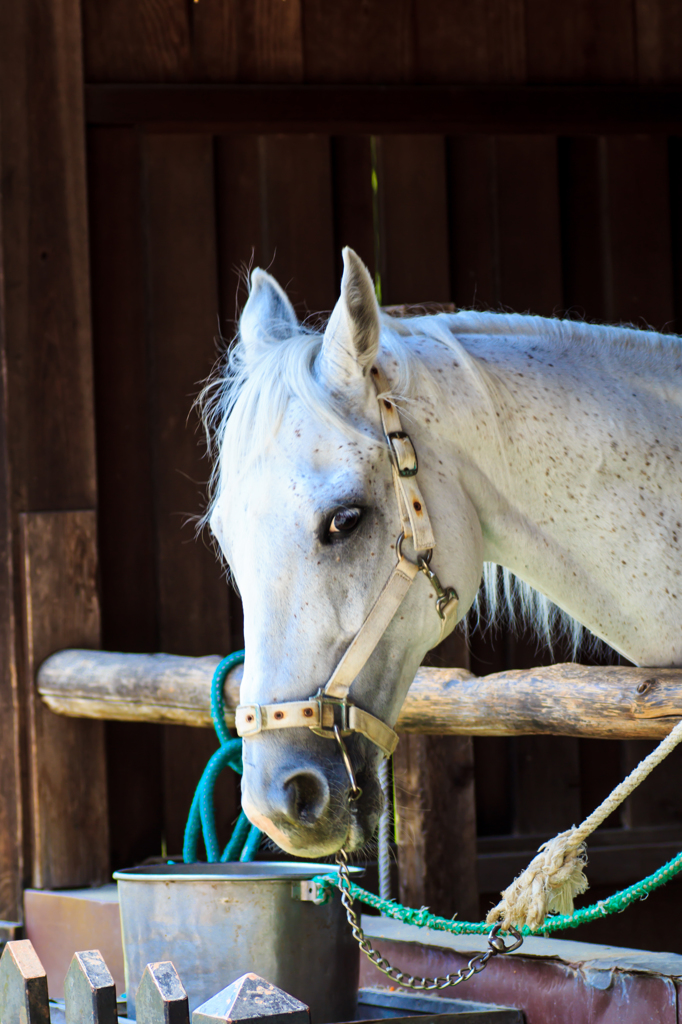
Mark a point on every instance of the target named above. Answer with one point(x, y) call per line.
point(403, 455)
point(333, 714)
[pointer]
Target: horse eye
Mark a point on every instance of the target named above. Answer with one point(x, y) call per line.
point(345, 520)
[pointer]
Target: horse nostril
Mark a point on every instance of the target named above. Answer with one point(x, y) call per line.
point(307, 797)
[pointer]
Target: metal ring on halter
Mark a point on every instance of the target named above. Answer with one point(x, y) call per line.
point(355, 791)
point(425, 559)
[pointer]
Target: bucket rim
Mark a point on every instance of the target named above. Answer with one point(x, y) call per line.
point(261, 871)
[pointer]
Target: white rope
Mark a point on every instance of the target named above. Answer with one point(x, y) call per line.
point(553, 878)
point(384, 832)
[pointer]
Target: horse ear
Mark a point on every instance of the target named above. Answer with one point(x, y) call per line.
point(267, 317)
point(351, 340)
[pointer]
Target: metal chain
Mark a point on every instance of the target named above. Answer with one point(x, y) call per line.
point(496, 945)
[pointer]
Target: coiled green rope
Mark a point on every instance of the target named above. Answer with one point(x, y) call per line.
point(424, 919)
point(245, 839)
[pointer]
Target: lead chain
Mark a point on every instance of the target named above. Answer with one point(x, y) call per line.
point(477, 963)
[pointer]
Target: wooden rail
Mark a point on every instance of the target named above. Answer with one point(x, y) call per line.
point(609, 702)
point(389, 109)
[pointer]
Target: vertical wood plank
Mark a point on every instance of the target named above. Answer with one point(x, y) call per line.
point(124, 458)
point(548, 784)
point(354, 214)
point(193, 603)
point(456, 41)
point(271, 41)
point(127, 544)
point(51, 440)
point(529, 224)
point(238, 219)
point(297, 226)
point(350, 42)
point(214, 32)
point(586, 255)
point(171, 41)
point(639, 231)
point(495, 756)
point(659, 41)
point(11, 811)
point(474, 240)
point(580, 41)
point(436, 810)
point(183, 310)
point(48, 301)
point(66, 756)
point(127, 41)
point(657, 801)
point(414, 235)
point(601, 769)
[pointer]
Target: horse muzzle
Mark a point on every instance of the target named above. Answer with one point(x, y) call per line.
point(307, 805)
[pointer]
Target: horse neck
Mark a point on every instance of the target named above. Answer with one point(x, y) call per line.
point(548, 454)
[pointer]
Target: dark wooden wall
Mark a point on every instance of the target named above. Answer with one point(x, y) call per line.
point(509, 41)
point(553, 223)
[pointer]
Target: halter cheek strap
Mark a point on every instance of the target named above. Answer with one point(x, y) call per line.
point(330, 712)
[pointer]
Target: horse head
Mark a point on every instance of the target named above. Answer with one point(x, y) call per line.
point(307, 517)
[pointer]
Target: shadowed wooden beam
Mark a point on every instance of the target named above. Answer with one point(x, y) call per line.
point(607, 702)
point(380, 109)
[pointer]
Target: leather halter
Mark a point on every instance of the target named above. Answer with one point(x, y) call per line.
point(330, 712)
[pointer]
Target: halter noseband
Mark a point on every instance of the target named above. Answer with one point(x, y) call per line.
point(330, 712)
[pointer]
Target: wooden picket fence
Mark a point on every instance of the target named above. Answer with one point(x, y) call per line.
point(90, 995)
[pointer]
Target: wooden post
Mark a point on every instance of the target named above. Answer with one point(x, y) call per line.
point(436, 810)
point(435, 797)
point(161, 997)
point(66, 757)
point(89, 990)
point(23, 986)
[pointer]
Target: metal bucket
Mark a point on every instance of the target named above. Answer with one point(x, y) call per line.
point(219, 921)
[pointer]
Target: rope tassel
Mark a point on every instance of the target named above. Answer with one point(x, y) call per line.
point(556, 875)
point(548, 885)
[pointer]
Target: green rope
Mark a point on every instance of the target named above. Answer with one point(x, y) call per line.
point(424, 919)
point(245, 840)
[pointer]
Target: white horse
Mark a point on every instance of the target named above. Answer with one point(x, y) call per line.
point(549, 447)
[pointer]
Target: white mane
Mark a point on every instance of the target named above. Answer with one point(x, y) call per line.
point(245, 399)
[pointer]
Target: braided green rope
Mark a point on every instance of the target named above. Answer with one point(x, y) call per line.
point(245, 840)
point(424, 919)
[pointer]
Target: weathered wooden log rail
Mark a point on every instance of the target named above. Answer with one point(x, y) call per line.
point(608, 702)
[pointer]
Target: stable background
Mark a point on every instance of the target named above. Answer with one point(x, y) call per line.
point(138, 178)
